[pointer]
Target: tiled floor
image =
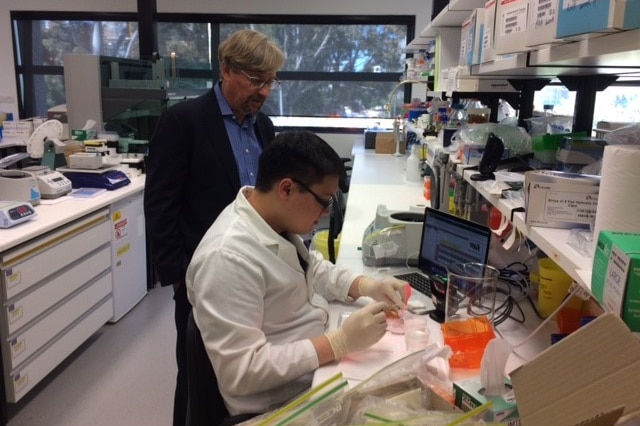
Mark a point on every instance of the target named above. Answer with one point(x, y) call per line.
point(123, 375)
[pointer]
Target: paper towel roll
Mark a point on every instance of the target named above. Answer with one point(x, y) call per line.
point(618, 199)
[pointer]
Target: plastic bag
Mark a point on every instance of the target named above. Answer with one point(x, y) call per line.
point(516, 139)
point(626, 135)
point(323, 405)
point(549, 125)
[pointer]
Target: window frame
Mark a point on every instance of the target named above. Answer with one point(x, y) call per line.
point(26, 71)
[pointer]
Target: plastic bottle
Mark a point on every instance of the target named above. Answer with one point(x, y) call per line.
point(426, 192)
point(413, 165)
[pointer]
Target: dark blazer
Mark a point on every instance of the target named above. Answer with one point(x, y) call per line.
point(191, 177)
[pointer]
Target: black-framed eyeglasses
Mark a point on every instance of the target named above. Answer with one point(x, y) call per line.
point(326, 204)
point(256, 83)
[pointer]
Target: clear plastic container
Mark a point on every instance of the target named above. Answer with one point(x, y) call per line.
point(458, 116)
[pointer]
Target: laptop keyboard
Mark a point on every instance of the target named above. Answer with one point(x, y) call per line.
point(417, 281)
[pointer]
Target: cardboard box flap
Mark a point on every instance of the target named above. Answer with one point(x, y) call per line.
point(590, 372)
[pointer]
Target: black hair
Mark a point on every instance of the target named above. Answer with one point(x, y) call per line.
point(297, 154)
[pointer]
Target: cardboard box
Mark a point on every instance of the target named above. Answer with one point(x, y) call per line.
point(543, 24)
point(560, 200)
point(474, 42)
point(580, 18)
point(593, 371)
point(469, 394)
point(512, 20)
point(487, 52)
point(615, 281)
point(465, 41)
point(385, 143)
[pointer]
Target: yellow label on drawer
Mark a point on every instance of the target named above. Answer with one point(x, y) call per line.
point(13, 278)
point(15, 313)
point(17, 347)
point(20, 381)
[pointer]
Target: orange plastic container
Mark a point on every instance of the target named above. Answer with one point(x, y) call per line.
point(467, 339)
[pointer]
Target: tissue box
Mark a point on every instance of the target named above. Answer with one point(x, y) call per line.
point(469, 394)
point(560, 200)
point(83, 135)
point(615, 281)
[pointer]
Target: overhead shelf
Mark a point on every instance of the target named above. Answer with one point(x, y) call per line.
point(613, 54)
point(618, 50)
point(419, 44)
point(452, 15)
point(552, 241)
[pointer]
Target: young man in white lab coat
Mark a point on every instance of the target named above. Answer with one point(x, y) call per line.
point(260, 298)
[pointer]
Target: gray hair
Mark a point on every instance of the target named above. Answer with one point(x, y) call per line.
point(249, 50)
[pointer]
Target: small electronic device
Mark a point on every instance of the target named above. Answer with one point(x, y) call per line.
point(490, 158)
point(15, 212)
point(18, 185)
point(52, 184)
point(85, 160)
point(108, 179)
point(445, 239)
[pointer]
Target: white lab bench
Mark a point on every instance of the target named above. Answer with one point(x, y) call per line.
point(379, 179)
point(79, 264)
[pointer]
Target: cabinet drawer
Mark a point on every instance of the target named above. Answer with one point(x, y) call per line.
point(23, 345)
point(22, 381)
point(44, 256)
point(17, 313)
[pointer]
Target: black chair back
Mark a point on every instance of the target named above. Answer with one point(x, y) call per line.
point(205, 405)
point(336, 218)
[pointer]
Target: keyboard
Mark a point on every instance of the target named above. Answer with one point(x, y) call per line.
point(418, 281)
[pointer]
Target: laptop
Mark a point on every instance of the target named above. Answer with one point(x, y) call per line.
point(446, 239)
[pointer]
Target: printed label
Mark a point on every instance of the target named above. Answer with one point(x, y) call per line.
point(514, 20)
point(571, 206)
point(615, 280)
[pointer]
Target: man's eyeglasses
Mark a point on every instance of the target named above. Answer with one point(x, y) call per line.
point(256, 83)
point(326, 204)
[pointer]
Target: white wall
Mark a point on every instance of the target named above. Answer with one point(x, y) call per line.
point(8, 90)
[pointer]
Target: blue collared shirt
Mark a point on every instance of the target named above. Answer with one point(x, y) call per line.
point(244, 141)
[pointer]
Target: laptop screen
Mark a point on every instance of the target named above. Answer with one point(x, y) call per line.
point(447, 239)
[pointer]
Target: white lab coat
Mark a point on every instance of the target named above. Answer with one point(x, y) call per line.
point(257, 310)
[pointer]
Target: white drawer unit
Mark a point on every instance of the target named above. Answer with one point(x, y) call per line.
point(21, 310)
point(39, 258)
point(19, 383)
point(32, 339)
point(56, 292)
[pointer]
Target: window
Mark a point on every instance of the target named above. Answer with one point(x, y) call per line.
point(331, 70)
point(337, 66)
point(40, 45)
point(618, 103)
